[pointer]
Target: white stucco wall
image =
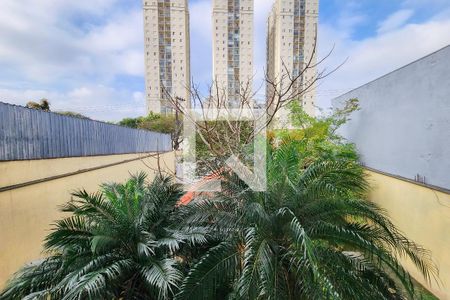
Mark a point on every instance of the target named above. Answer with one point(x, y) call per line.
point(403, 127)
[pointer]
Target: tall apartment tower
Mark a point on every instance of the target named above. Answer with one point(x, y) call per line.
point(233, 48)
point(167, 53)
point(292, 30)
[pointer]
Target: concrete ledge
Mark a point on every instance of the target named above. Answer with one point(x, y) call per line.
point(429, 186)
point(59, 176)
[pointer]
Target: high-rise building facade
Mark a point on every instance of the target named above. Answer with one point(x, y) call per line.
point(291, 45)
point(167, 54)
point(233, 48)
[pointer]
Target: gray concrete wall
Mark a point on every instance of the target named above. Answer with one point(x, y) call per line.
point(403, 127)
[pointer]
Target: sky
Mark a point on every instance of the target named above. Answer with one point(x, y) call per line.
point(87, 56)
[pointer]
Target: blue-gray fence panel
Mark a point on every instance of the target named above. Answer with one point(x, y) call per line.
point(32, 134)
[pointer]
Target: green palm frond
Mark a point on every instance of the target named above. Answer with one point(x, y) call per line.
point(162, 275)
point(37, 278)
point(327, 179)
point(69, 231)
point(115, 245)
point(216, 268)
point(309, 236)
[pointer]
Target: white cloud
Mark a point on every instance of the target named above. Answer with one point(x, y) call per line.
point(395, 20)
point(375, 56)
point(429, 3)
point(262, 10)
point(80, 92)
point(200, 18)
point(118, 44)
point(138, 97)
point(201, 41)
point(71, 51)
point(45, 40)
point(98, 102)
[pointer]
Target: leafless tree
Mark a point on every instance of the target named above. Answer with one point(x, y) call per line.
point(225, 137)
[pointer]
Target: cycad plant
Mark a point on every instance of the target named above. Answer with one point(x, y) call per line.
point(118, 243)
point(311, 235)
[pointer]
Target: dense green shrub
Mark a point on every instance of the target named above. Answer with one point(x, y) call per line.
point(311, 235)
point(119, 243)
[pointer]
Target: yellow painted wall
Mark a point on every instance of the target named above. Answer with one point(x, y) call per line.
point(26, 213)
point(423, 214)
